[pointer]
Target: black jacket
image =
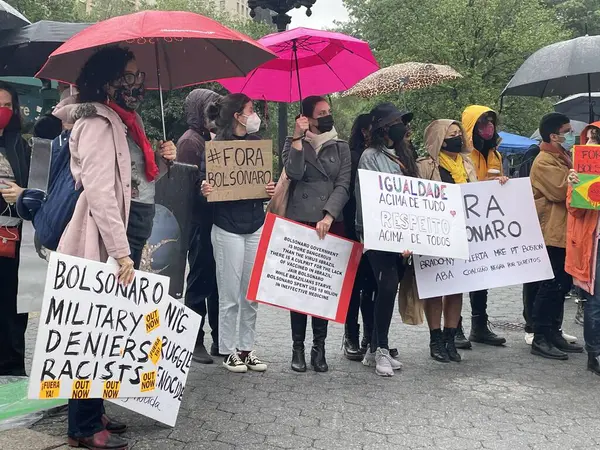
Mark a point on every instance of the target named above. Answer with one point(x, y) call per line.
point(240, 216)
point(18, 154)
point(350, 208)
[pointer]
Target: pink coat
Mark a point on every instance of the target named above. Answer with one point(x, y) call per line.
point(101, 163)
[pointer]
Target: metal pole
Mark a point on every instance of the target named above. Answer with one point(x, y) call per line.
point(162, 103)
point(295, 50)
point(591, 105)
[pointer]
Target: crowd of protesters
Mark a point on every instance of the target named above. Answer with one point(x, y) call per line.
point(115, 164)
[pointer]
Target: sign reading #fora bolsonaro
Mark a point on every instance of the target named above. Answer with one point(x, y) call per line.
point(238, 170)
point(403, 213)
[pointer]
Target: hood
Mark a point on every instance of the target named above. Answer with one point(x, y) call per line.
point(435, 134)
point(583, 136)
point(195, 106)
point(470, 117)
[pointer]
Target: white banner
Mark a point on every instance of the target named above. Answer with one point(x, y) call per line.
point(505, 242)
point(295, 270)
point(402, 213)
point(180, 330)
point(96, 338)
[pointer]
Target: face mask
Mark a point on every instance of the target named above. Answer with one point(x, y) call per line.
point(569, 140)
point(325, 124)
point(453, 145)
point(487, 131)
point(129, 98)
point(397, 132)
point(252, 123)
point(5, 116)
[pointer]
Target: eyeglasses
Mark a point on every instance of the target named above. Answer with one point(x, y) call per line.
point(131, 78)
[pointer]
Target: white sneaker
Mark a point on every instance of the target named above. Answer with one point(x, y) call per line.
point(255, 364)
point(233, 363)
point(529, 338)
point(570, 339)
point(369, 359)
point(383, 365)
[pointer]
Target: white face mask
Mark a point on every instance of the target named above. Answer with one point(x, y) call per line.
point(252, 123)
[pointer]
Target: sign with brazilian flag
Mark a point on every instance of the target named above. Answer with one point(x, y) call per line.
point(586, 162)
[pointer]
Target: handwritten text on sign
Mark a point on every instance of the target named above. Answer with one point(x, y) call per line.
point(180, 327)
point(92, 341)
point(402, 213)
point(238, 170)
point(297, 271)
point(586, 159)
point(505, 241)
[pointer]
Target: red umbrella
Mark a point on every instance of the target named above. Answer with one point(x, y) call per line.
point(175, 48)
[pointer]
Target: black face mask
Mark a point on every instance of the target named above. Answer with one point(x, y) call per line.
point(128, 98)
point(453, 145)
point(325, 124)
point(397, 132)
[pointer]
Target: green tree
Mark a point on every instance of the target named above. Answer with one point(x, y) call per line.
point(485, 40)
point(36, 10)
point(581, 17)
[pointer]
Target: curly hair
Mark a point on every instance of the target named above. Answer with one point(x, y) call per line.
point(358, 142)
point(222, 114)
point(404, 154)
point(16, 122)
point(595, 134)
point(104, 67)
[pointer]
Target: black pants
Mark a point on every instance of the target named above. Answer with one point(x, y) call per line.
point(479, 303)
point(299, 322)
point(139, 229)
point(388, 270)
point(201, 294)
point(529, 292)
point(362, 299)
point(549, 303)
point(12, 325)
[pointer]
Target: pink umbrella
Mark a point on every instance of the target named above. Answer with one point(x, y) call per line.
point(310, 62)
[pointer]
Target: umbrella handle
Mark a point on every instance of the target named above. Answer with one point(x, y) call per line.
point(162, 104)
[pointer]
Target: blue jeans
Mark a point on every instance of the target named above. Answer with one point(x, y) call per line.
point(591, 316)
point(85, 417)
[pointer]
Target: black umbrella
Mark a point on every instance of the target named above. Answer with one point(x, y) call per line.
point(11, 18)
point(577, 107)
point(25, 50)
point(561, 69)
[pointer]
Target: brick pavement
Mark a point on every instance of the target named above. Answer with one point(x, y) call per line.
point(495, 399)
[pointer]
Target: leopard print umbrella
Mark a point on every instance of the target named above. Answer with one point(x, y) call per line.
point(405, 76)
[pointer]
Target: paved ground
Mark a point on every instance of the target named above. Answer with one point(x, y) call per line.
point(495, 399)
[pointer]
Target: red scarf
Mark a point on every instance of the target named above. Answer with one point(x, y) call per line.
point(138, 135)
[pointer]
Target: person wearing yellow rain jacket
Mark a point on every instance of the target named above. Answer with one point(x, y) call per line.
point(481, 129)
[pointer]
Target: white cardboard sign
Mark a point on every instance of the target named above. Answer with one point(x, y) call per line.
point(505, 242)
point(402, 213)
point(179, 329)
point(96, 338)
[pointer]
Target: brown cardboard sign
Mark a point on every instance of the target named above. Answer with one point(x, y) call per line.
point(238, 170)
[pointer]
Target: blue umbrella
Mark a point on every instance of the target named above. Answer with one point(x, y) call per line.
point(513, 143)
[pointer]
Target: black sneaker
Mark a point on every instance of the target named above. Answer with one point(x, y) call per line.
point(233, 363)
point(255, 364)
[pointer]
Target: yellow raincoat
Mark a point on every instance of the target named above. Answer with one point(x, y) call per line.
point(494, 161)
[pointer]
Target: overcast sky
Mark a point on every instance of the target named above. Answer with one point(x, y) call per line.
point(323, 14)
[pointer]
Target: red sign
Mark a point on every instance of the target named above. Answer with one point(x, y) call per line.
point(295, 270)
point(586, 159)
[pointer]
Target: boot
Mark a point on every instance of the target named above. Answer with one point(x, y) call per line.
point(113, 426)
point(450, 341)
point(559, 341)
point(461, 340)
point(364, 344)
point(298, 358)
point(351, 348)
point(541, 346)
point(200, 354)
point(100, 441)
point(437, 349)
point(317, 358)
point(214, 350)
point(482, 334)
point(594, 363)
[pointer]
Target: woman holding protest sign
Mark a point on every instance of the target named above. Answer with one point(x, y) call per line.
point(388, 153)
point(449, 162)
point(235, 234)
point(116, 167)
point(582, 258)
point(14, 174)
point(318, 163)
